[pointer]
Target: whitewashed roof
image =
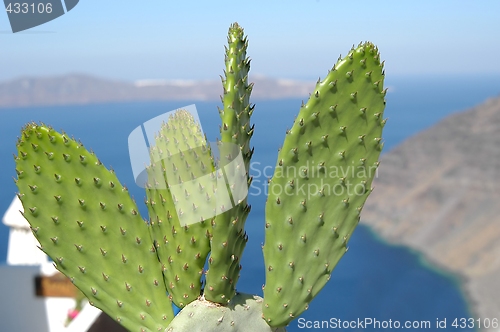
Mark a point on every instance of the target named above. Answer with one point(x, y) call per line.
point(14, 218)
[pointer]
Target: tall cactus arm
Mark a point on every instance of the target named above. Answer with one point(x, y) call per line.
point(228, 236)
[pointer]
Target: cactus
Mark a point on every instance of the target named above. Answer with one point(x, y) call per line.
point(179, 156)
point(229, 238)
point(321, 181)
point(134, 269)
point(87, 223)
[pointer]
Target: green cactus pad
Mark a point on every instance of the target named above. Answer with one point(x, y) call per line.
point(242, 314)
point(228, 236)
point(321, 181)
point(87, 223)
point(180, 199)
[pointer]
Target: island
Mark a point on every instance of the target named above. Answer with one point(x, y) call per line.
point(84, 89)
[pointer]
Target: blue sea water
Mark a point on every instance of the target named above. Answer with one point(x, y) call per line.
point(373, 280)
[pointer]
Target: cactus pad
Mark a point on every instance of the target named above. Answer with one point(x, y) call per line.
point(87, 223)
point(180, 199)
point(321, 181)
point(242, 314)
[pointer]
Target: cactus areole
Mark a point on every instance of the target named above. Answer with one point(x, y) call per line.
point(134, 269)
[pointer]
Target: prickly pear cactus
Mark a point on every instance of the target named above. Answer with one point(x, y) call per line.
point(242, 314)
point(321, 181)
point(87, 223)
point(134, 269)
point(228, 235)
point(180, 186)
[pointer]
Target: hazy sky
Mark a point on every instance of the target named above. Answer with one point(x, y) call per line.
point(164, 39)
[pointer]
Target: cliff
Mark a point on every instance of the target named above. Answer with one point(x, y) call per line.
point(438, 193)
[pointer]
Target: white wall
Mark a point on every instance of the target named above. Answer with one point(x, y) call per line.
point(21, 309)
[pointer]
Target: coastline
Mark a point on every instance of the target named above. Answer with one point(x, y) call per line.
point(408, 214)
point(435, 195)
point(460, 281)
point(80, 89)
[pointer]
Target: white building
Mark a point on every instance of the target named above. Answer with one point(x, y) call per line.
point(22, 309)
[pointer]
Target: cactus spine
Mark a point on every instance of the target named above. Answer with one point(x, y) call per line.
point(321, 181)
point(134, 269)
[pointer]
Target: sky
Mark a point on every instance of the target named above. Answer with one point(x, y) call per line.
point(301, 39)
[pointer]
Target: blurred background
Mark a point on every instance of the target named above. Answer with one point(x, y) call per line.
point(428, 249)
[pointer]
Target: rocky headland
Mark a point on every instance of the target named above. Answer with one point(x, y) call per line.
point(439, 193)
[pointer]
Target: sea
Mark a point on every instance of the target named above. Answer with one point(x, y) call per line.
point(376, 286)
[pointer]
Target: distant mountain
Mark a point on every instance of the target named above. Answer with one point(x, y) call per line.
point(439, 193)
point(82, 89)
